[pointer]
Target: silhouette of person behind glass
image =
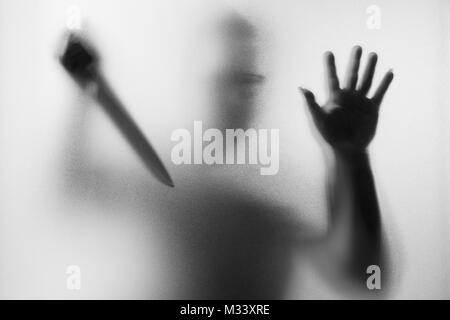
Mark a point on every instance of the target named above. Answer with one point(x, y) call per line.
point(223, 241)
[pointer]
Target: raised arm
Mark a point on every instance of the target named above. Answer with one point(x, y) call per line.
point(347, 123)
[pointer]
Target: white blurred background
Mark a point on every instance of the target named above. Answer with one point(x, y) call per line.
point(152, 52)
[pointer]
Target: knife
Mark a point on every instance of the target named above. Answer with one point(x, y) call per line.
point(81, 62)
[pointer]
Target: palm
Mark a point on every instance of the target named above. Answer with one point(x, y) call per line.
point(349, 119)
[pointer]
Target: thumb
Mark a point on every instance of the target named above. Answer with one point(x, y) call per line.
point(314, 108)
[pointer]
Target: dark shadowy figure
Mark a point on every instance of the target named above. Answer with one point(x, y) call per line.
point(222, 241)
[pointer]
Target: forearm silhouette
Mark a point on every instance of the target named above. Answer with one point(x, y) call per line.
point(347, 123)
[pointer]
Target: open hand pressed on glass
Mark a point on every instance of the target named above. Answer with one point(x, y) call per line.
point(348, 119)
